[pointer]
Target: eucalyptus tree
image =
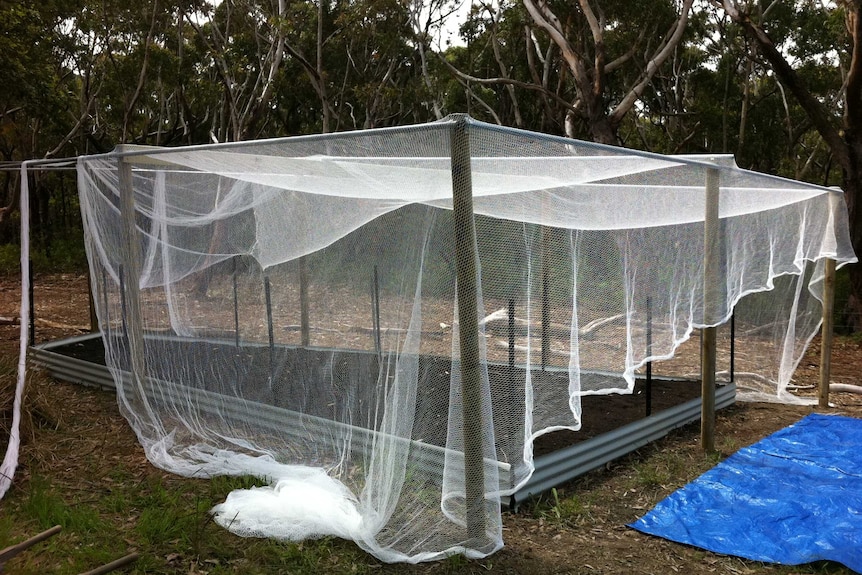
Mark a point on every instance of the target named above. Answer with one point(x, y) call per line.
point(289, 67)
point(807, 44)
point(37, 83)
point(588, 61)
point(428, 23)
point(383, 81)
point(715, 95)
point(129, 63)
point(242, 46)
point(40, 115)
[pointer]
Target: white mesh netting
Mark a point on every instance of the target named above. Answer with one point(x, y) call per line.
point(289, 309)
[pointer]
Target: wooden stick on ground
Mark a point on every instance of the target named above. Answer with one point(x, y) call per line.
point(121, 562)
point(13, 550)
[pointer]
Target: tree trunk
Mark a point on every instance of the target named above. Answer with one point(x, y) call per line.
point(852, 186)
point(602, 130)
point(852, 166)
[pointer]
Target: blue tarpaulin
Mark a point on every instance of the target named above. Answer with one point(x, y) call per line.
point(792, 498)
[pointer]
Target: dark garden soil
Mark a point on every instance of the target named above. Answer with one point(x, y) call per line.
point(65, 425)
point(601, 413)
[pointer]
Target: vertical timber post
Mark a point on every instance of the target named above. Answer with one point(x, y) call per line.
point(468, 321)
point(130, 280)
point(711, 277)
point(826, 331)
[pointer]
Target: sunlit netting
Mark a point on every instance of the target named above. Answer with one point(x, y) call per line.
point(305, 310)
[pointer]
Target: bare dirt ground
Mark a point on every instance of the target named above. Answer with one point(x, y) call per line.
point(582, 532)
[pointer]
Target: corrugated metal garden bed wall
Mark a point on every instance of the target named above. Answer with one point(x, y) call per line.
point(551, 469)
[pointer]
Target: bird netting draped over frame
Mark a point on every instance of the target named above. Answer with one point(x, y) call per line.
point(301, 310)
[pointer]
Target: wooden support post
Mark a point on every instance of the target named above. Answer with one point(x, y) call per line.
point(131, 282)
point(711, 279)
point(468, 329)
point(826, 331)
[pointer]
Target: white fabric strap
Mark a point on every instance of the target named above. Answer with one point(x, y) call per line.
point(10, 461)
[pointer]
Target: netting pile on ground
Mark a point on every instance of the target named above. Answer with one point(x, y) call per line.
point(305, 310)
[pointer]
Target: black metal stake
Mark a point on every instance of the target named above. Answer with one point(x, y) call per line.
point(91, 304)
point(732, 344)
point(512, 336)
point(235, 305)
point(32, 308)
point(649, 353)
point(513, 390)
point(106, 311)
point(546, 312)
point(121, 273)
point(267, 294)
point(375, 310)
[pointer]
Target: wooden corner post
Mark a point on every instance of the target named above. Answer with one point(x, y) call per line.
point(468, 330)
point(131, 257)
point(826, 332)
point(711, 279)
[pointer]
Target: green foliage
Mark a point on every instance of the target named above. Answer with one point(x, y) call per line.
point(842, 294)
point(75, 82)
point(207, 65)
point(65, 256)
point(10, 259)
point(47, 509)
point(654, 474)
point(565, 509)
